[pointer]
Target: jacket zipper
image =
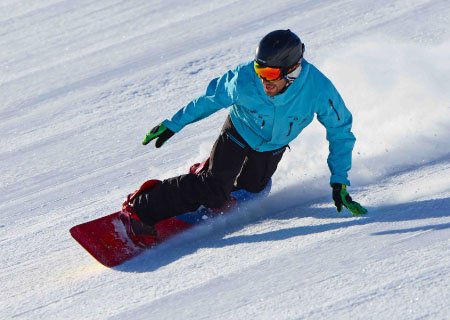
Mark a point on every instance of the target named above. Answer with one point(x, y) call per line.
point(332, 106)
point(290, 128)
point(235, 140)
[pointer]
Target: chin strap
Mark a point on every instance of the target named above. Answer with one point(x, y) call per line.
point(294, 74)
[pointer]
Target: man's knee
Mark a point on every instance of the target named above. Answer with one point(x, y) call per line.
point(217, 191)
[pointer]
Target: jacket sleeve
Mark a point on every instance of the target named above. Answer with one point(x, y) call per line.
point(337, 120)
point(218, 95)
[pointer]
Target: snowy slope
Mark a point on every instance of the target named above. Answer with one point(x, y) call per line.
point(81, 82)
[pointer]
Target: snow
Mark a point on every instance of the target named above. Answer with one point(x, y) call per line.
point(81, 82)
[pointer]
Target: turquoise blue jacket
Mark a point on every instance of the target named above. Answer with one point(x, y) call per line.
point(268, 123)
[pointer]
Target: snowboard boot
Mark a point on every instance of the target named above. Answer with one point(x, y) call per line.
point(140, 233)
point(200, 167)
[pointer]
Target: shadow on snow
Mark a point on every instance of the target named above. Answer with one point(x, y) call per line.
point(214, 235)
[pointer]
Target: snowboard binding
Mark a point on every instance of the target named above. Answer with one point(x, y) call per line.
point(141, 234)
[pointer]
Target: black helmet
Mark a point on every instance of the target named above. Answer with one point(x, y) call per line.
point(280, 49)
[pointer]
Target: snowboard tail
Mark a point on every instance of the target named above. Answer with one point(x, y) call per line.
point(107, 241)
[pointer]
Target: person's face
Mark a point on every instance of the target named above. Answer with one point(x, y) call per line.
point(272, 88)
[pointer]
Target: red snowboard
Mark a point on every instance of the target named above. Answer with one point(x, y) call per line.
point(107, 240)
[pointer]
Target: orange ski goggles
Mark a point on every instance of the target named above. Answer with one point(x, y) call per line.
point(268, 73)
point(272, 73)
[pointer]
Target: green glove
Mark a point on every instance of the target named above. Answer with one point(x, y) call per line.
point(161, 132)
point(342, 198)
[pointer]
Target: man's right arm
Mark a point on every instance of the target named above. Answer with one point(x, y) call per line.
point(218, 95)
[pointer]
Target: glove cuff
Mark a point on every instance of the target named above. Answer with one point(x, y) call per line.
point(338, 186)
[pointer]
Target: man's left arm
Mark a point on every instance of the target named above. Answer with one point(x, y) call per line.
point(337, 119)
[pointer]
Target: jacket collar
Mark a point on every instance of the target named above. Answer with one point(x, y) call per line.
point(294, 88)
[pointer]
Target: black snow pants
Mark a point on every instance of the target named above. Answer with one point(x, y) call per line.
point(232, 165)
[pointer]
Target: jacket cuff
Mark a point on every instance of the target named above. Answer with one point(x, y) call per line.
point(172, 126)
point(339, 179)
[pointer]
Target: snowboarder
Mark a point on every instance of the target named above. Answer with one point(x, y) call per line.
point(271, 100)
